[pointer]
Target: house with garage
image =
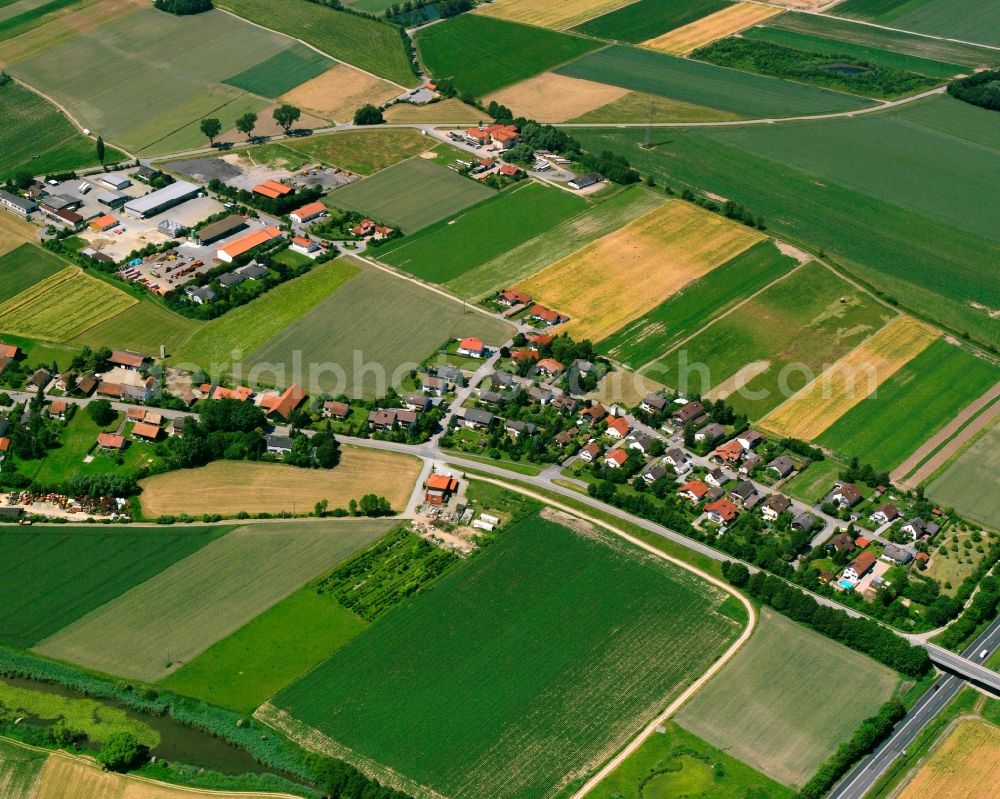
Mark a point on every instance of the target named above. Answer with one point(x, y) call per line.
point(616, 458)
point(772, 507)
point(846, 495)
point(884, 513)
point(549, 367)
point(859, 567)
point(678, 459)
point(920, 528)
point(477, 419)
point(743, 492)
point(512, 297)
point(693, 491)
point(782, 466)
point(653, 403)
point(540, 313)
point(688, 412)
point(722, 511)
point(472, 347)
point(893, 553)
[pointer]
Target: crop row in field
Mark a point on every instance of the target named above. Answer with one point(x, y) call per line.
point(967, 764)
point(19, 770)
point(647, 19)
point(363, 353)
point(680, 315)
point(482, 54)
point(152, 629)
point(24, 16)
point(468, 715)
point(62, 306)
point(740, 93)
point(371, 45)
point(969, 484)
point(51, 577)
point(22, 268)
point(901, 227)
point(768, 708)
point(411, 195)
point(547, 14)
point(143, 327)
point(612, 281)
point(282, 72)
point(969, 20)
point(774, 344)
point(729, 20)
point(914, 403)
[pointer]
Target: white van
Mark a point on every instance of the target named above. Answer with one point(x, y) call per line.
point(83, 188)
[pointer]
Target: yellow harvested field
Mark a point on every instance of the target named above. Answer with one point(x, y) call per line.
point(68, 777)
point(965, 766)
point(449, 110)
point(624, 387)
point(686, 38)
point(228, 487)
point(851, 379)
point(609, 282)
point(340, 91)
point(14, 232)
point(556, 98)
point(558, 14)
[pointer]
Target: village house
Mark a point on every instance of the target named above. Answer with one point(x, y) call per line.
point(617, 428)
point(919, 528)
point(742, 493)
point(846, 495)
point(859, 567)
point(589, 452)
point(57, 410)
point(593, 414)
point(540, 395)
point(515, 428)
point(841, 542)
point(641, 443)
point(885, 513)
point(717, 478)
point(616, 458)
point(112, 441)
point(730, 452)
point(749, 463)
point(440, 488)
point(433, 385)
point(721, 511)
point(678, 459)
point(307, 213)
point(750, 439)
point(391, 418)
point(336, 410)
point(40, 379)
point(710, 433)
point(146, 431)
point(474, 418)
point(200, 295)
point(279, 445)
point(894, 553)
point(512, 297)
point(654, 472)
point(417, 402)
point(540, 313)
point(66, 381)
point(688, 412)
point(127, 359)
point(472, 347)
point(772, 507)
point(450, 373)
point(693, 491)
point(565, 403)
point(86, 384)
point(549, 367)
point(653, 403)
point(782, 466)
point(490, 397)
point(284, 404)
point(804, 522)
point(565, 438)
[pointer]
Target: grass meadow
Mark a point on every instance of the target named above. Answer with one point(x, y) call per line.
point(251, 665)
point(468, 715)
point(969, 484)
point(968, 20)
point(799, 320)
point(142, 327)
point(398, 332)
point(446, 251)
point(648, 19)
point(207, 596)
point(22, 268)
point(481, 54)
point(282, 72)
point(368, 44)
point(911, 406)
point(410, 195)
point(813, 484)
point(695, 305)
point(20, 768)
point(364, 152)
point(787, 699)
point(50, 577)
point(695, 82)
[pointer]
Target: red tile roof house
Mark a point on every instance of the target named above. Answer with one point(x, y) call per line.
point(506, 137)
point(730, 452)
point(860, 566)
point(509, 170)
point(589, 452)
point(477, 136)
point(512, 297)
point(364, 228)
point(304, 245)
point(593, 414)
point(147, 431)
point(111, 441)
point(617, 427)
point(721, 511)
point(4, 444)
point(57, 410)
point(283, 404)
point(616, 459)
point(542, 314)
point(693, 491)
point(472, 347)
point(541, 339)
point(526, 355)
point(307, 213)
point(440, 488)
point(9, 351)
point(549, 367)
point(336, 410)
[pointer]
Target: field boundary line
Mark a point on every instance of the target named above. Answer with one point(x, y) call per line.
point(692, 689)
point(896, 30)
point(596, 16)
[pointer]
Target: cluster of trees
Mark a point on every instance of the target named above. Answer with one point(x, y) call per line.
point(228, 429)
point(183, 7)
point(981, 610)
point(862, 634)
point(744, 539)
point(322, 450)
point(870, 734)
point(413, 10)
point(277, 206)
point(982, 89)
point(857, 472)
point(121, 752)
point(368, 115)
point(734, 210)
point(286, 115)
point(668, 514)
point(339, 779)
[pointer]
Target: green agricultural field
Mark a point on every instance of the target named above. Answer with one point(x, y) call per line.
point(514, 257)
point(393, 335)
point(446, 251)
point(362, 151)
point(468, 715)
point(251, 665)
point(24, 267)
point(142, 327)
point(62, 306)
point(482, 54)
point(923, 47)
point(740, 93)
point(834, 47)
point(206, 597)
point(52, 576)
point(35, 136)
point(969, 484)
point(370, 45)
point(648, 19)
point(649, 336)
point(21, 17)
point(677, 763)
point(873, 229)
point(282, 72)
point(104, 78)
point(247, 327)
point(190, 136)
point(787, 700)
point(968, 20)
point(911, 406)
point(799, 320)
point(19, 769)
point(813, 484)
point(410, 195)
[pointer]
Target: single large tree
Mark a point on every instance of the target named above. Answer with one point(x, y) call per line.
point(286, 115)
point(246, 123)
point(211, 127)
point(368, 115)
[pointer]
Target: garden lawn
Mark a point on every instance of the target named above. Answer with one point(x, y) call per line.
point(250, 325)
point(282, 72)
point(469, 715)
point(647, 19)
point(251, 665)
point(449, 249)
point(697, 304)
point(360, 347)
point(22, 268)
point(368, 44)
point(911, 406)
point(740, 93)
point(481, 54)
point(787, 699)
point(51, 576)
point(813, 484)
point(410, 195)
point(970, 483)
point(207, 596)
point(799, 320)
point(362, 151)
